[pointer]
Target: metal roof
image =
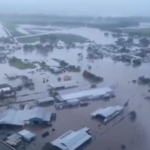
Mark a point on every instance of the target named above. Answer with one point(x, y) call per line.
point(27, 134)
point(71, 140)
point(106, 112)
point(45, 99)
point(88, 93)
point(17, 117)
point(66, 84)
point(14, 137)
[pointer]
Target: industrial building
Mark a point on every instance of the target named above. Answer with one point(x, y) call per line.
point(5, 146)
point(6, 91)
point(88, 94)
point(107, 114)
point(36, 115)
point(27, 135)
point(45, 101)
point(72, 140)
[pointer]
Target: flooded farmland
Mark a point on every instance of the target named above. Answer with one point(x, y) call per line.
point(135, 135)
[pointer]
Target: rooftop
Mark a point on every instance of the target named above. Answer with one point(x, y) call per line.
point(17, 117)
point(71, 140)
point(45, 99)
point(88, 93)
point(27, 134)
point(106, 112)
point(4, 146)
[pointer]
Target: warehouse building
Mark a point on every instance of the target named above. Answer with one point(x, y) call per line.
point(107, 114)
point(88, 94)
point(36, 115)
point(72, 140)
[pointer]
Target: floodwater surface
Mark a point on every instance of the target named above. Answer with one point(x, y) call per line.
point(133, 134)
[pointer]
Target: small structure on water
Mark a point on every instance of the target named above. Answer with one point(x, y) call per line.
point(91, 94)
point(27, 135)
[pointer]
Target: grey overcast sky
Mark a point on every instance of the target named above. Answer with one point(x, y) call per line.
point(78, 7)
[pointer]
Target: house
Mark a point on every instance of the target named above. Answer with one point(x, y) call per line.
point(72, 140)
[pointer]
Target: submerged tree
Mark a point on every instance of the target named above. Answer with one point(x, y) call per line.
point(144, 41)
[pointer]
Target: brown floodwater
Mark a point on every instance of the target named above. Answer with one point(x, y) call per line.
point(135, 135)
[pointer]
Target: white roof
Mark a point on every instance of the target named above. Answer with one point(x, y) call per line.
point(71, 140)
point(106, 112)
point(17, 117)
point(27, 134)
point(88, 93)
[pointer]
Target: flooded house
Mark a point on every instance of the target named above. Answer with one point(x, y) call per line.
point(72, 140)
point(6, 91)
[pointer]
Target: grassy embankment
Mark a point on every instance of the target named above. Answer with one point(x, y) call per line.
point(66, 38)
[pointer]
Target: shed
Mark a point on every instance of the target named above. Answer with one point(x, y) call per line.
point(27, 135)
point(45, 100)
point(108, 113)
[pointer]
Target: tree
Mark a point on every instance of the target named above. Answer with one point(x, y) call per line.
point(129, 40)
point(144, 41)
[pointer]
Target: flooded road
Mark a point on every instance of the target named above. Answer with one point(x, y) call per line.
point(134, 135)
